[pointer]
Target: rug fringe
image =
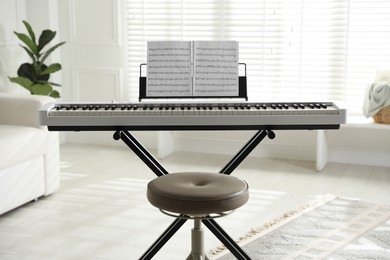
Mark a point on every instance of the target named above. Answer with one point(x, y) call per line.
point(275, 223)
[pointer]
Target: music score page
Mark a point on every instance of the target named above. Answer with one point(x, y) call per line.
point(215, 68)
point(169, 69)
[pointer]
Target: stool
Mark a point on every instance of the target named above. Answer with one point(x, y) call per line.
point(197, 195)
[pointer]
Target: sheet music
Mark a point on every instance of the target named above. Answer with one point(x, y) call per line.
point(215, 68)
point(169, 69)
point(186, 69)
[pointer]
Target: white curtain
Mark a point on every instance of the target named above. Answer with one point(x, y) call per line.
point(295, 50)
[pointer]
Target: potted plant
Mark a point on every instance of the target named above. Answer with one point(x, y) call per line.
point(377, 98)
point(35, 76)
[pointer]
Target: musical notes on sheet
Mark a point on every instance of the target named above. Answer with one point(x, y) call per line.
point(215, 68)
point(185, 69)
point(169, 69)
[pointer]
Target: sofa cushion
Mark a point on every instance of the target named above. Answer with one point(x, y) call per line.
point(20, 143)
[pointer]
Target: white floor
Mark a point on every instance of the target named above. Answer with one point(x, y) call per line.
point(101, 211)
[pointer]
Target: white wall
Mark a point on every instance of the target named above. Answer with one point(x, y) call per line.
point(11, 55)
point(94, 58)
point(94, 69)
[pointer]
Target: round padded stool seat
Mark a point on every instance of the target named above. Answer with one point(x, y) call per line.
point(197, 193)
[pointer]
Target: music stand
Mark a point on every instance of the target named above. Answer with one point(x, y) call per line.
point(242, 88)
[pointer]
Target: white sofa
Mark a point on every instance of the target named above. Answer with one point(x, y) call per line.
point(29, 154)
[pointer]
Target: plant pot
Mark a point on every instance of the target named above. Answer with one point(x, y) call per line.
point(382, 116)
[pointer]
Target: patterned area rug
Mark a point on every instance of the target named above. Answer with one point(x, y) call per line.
point(334, 228)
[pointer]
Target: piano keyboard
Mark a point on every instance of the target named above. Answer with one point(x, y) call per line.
point(206, 116)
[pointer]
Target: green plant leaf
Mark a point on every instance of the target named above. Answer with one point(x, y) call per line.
point(51, 69)
point(41, 89)
point(33, 72)
point(26, 70)
point(30, 30)
point(29, 53)
point(22, 81)
point(30, 44)
point(54, 84)
point(55, 94)
point(45, 38)
point(40, 76)
point(47, 53)
point(37, 68)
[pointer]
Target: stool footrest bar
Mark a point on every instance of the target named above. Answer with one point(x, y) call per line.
point(209, 216)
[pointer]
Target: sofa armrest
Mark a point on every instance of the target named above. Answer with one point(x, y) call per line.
point(21, 109)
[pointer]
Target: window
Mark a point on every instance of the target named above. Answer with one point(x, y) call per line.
point(295, 50)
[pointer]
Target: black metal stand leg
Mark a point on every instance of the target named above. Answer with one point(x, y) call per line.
point(246, 150)
point(141, 152)
point(159, 170)
point(160, 242)
point(225, 239)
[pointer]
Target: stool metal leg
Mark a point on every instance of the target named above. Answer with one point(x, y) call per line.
point(197, 242)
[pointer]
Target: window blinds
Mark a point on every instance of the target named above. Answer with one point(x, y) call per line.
point(295, 50)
